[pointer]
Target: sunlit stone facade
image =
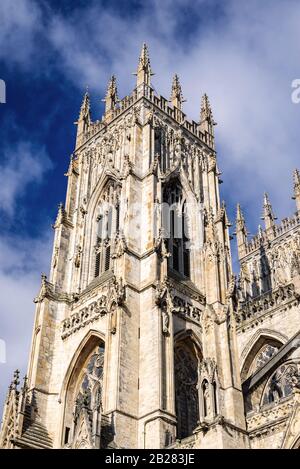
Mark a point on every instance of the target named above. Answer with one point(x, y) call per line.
point(143, 336)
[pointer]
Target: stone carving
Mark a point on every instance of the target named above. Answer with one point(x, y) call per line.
point(127, 167)
point(88, 404)
point(161, 245)
point(170, 303)
point(83, 207)
point(265, 303)
point(208, 385)
point(55, 257)
point(77, 258)
point(115, 294)
point(263, 357)
point(119, 245)
point(45, 289)
point(276, 413)
point(281, 383)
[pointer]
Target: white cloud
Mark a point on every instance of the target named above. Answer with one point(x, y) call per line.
point(20, 21)
point(245, 61)
point(245, 58)
point(22, 260)
point(21, 166)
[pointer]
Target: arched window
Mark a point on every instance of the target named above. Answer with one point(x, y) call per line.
point(280, 385)
point(84, 398)
point(215, 397)
point(186, 392)
point(176, 228)
point(104, 235)
point(264, 355)
point(89, 386)
point(262, 350)
point(205, 398)
point(107, 227)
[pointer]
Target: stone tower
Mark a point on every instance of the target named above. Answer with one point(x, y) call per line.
point(140, 330)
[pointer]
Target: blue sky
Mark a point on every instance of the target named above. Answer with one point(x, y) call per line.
point(244, 54)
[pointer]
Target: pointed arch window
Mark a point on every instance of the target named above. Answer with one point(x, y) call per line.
point(175, 224)
point(104, 235)
point(281, 383)
point(205, 398)
point(186, 389)
point(84, 399)
point(107, 227)
point(264, 354)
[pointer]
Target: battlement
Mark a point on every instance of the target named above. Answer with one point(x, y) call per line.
point(146, 91)
point(172, 108)
point(272, 231)
point(263, 237)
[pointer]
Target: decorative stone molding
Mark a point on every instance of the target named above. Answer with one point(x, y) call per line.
point(161, 245)
point(273, 415)
point(119, 245)
point(47, 291)
point(115, 295)
point(62, 218)
point(268, 302)
point(170, 303)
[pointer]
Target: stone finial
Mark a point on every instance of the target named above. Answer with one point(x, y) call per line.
point(176, 93)
point(61, 216)
point(206, 112)
point(25, 384)
point(144, 71)
point(268, 214)
point(111, 97)
point(241, 232)
point(84, 113)
point(84, 119)
point(296, 195)
point(207, 122)
point(16, 380)
point(240, 220)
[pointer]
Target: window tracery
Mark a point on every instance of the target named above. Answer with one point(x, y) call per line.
point(186, 380)
point(175, 225)
point(264, 355)
point(281, 383)
point(83, 412)
point(108, 226)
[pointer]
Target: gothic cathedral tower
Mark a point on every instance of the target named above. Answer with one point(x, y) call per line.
point(134, 342)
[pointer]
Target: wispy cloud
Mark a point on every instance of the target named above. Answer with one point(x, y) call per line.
point(245, 60)
point(21, 166)
point(20, 22)
point(22, 259)
point(243, 54)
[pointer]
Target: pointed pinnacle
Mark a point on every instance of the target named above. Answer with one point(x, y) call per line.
point(176, 88)
point(296, 195)
point(144, 56)
point(144, 60)
point(239, 213)
point(206, 112)
point(85, 105)
point(296, 178)
point(144, 71)
point(176, 93)
point(112, 87)
point(267, 209)
point(240, 221)
point(16, 381)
